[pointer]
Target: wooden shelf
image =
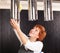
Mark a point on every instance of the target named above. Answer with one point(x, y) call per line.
point(40, 5)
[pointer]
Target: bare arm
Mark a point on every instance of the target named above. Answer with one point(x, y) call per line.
point(15, 25)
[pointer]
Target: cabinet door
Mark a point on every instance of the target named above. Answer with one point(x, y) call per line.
point(9, 41)
point(0, 30)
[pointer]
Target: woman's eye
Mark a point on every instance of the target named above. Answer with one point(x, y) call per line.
point(36, 30)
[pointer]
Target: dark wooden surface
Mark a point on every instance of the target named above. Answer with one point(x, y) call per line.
point(9, 42)
point(0, 31)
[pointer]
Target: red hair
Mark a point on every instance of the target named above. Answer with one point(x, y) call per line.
point(42, 33)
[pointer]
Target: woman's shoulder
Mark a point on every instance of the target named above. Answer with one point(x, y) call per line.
point(39, 43)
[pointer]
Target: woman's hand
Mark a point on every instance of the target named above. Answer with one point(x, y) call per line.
point(22, 36)
point(14, 24)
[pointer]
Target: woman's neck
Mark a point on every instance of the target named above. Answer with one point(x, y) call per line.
point(32, 39)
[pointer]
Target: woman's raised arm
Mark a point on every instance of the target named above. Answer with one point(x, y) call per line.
point(22, 36)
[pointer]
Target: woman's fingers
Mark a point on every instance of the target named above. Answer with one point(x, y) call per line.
point(14, 23)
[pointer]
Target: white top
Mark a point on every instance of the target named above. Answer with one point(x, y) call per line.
point(34, 46)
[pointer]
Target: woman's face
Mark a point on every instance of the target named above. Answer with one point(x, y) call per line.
point(34, 32)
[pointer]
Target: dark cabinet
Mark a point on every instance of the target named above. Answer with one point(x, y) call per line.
point(9, 42)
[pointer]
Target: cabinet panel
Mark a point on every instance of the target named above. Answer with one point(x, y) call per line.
point(0, 30)
point(10, 43)
point(9, 40)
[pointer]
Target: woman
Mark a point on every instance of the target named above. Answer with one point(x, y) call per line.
point(34, 42)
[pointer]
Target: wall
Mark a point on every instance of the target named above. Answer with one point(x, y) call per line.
point(0, 31)
point(51, 43)
point(9, 41)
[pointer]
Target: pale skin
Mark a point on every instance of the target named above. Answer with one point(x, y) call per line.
point(33, 32)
